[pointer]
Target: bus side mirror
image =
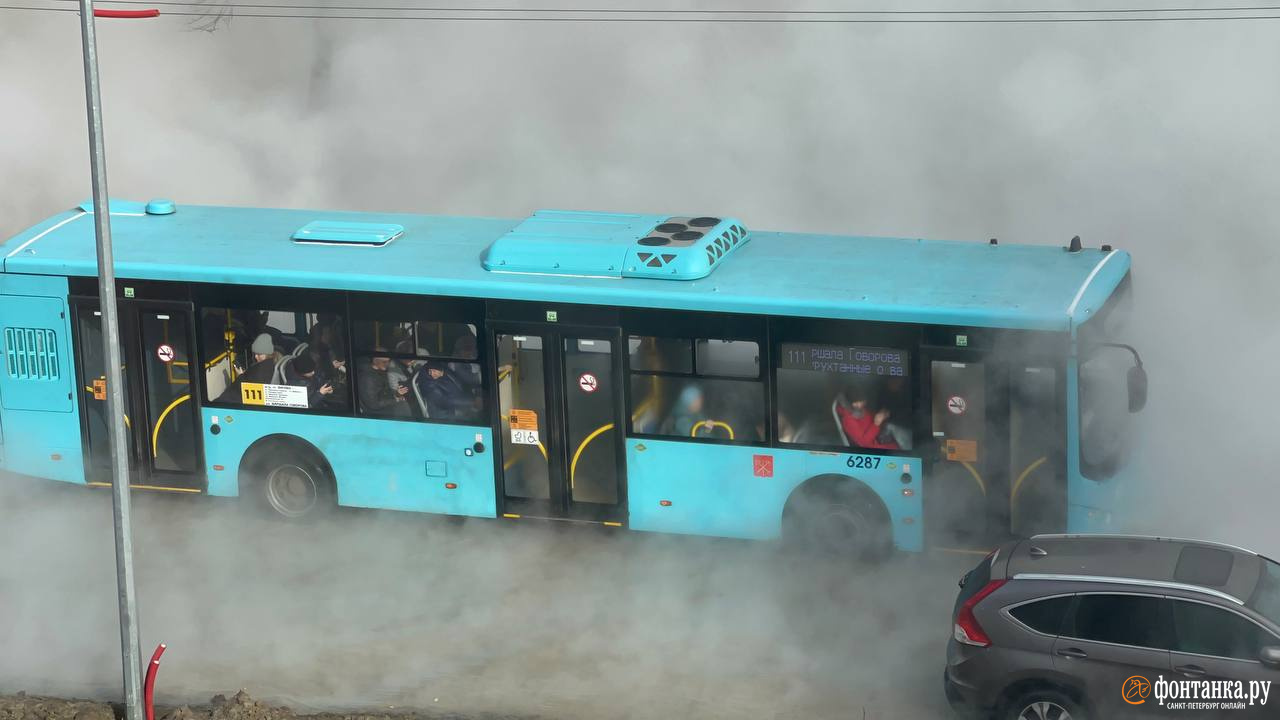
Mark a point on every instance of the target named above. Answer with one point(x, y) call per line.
point(1137, 388)
point(1270, 656)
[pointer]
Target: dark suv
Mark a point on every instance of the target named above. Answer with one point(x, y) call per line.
point(1060, 627)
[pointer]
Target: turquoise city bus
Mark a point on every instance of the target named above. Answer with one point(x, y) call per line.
point(676, 374)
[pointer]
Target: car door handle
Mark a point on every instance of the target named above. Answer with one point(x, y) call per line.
point(1073, 652)
point(1191, 670)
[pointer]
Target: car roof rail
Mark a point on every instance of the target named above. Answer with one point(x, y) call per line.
point(1162, 584)
point(1159, 538)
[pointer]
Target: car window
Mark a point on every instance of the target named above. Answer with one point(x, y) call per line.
point(1044, 616)
point(1266, 597)
point(1138, 620)
point(1208, 630)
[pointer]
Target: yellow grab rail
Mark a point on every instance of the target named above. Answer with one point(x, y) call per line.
point(710, 425)
point(573, 464)
point(155, 432)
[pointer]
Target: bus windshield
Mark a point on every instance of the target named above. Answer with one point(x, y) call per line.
point(1266, 598)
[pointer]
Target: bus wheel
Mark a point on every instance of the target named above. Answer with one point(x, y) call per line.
point(286, 483)
point(837, 519)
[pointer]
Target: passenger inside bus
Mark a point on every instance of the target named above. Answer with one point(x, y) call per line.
point(862, 427)
point(261, 371)
point(466, 373)
point(446, 396)
point(376, 395)
point(686, 413)
point(300, 371)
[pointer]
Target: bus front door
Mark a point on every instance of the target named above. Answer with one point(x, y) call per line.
point(161, 413)
point(559, 423)
point(997, 470)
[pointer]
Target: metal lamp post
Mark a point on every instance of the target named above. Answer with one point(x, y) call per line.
point(131, 658)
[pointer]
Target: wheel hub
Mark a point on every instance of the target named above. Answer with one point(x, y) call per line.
point(291, 491)
point(1044, 710)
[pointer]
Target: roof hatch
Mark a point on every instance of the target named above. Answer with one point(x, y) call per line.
point(357, 234)
point(562, 242)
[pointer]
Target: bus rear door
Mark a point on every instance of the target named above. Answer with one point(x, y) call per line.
point(559, 422)
point(157, 351)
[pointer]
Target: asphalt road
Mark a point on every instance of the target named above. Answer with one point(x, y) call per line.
point(375, 610)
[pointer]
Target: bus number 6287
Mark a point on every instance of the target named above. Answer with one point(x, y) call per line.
point(863, 462)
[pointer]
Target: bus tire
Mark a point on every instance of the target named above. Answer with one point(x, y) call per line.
point(287, 480)
point(839, 517)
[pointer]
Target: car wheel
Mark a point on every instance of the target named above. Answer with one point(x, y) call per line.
point(1046, 704)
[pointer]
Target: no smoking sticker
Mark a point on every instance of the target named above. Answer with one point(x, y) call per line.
point(165, 353)
point(588, 382)
point(956, 405)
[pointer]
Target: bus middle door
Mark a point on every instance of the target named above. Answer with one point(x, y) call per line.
point(559, 405)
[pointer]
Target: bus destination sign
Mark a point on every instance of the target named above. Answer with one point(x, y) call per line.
point(844, 360)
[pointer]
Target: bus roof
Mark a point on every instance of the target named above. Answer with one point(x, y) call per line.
point(806, 275)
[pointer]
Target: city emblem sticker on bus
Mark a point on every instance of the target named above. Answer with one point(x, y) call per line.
point(588, 382)
point(524, 427)
point(956, 405)
point(289, 396)
point(763, 465)
point(165, 353)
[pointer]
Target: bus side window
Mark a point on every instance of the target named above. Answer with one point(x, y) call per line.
point(844, 396)
point(269, 347)
point(713, 393)
point(419, 369)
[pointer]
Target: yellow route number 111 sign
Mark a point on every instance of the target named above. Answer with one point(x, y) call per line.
point(290, 396)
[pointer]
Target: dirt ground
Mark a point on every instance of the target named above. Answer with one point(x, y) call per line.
point(239, 706)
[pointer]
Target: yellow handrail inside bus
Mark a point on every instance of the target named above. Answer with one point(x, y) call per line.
point(209, 365)
point(710, 425)
point(977, 478)
point(155, 432)
point(1017, 484)
point(573, 464)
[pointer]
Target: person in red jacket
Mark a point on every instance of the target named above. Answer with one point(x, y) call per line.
point(864, 429)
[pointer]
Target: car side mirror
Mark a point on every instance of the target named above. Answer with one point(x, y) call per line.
point(1137, 388)
point(1270, 656)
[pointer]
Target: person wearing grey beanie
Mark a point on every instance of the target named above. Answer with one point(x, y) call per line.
point(261, 371)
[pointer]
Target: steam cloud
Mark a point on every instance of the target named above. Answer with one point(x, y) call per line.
point(1158, 139)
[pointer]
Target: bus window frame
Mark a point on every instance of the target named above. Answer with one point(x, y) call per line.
point(693, 326)
point(296, 300)
point(386, 307)
point(850, 333)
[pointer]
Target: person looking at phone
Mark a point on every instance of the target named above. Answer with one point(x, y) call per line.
point(301, 372)
point(376, 394)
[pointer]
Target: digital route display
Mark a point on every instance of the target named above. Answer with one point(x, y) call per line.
point(844, 360)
